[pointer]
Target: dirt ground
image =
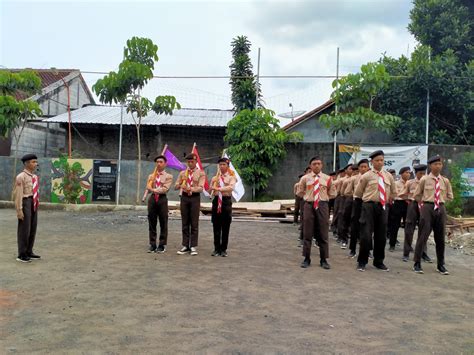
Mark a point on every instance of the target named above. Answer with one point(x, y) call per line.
point(96, 290)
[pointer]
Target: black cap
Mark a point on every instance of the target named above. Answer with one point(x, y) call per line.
point(333, 173)
point(160, 157)
point(191, 156)
point(420, 167)
point(391, 171)
point(402, 170)
point(314, 158)
point(347, 166)
point(27, 157)
point(224, 160)
point(376, 154)
point(363, 161)
point(434, 159)
point(355, 167)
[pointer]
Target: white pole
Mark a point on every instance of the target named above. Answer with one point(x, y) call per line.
point(258, 78)
point(119, 157)
point(335, 110)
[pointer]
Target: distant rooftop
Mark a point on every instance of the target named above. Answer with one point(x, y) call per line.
point(110, 115)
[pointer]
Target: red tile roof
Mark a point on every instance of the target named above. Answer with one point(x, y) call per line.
point(47, 76)
point(309, 114)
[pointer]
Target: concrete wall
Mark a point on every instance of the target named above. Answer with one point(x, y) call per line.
point(314, 132)
point(102, 141)
point(45, 140)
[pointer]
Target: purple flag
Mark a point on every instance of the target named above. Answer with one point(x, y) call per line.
point(173, 162)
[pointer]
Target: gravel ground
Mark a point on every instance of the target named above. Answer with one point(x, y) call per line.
point(96, 290)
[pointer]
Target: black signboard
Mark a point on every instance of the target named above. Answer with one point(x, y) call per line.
point(104, 181)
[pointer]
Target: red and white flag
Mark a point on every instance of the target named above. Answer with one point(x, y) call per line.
point(199, 166)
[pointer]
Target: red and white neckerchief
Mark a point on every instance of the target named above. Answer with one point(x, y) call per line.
point(189, 181)
point(316, 191)
point(157, 186)
point(219, 194)
point(381, 187)
point(437, 193)
point(35, 181)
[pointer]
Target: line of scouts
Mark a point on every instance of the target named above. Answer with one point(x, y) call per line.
point(360, 198)
point(369, 207)
point(190, 184)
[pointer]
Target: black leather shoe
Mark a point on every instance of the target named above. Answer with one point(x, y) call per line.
point(215, 253)
point(224, 254)
point(151, 249)
point(426, 258)
point(382, 267)
point(324, 264)
point(306, 263)
point(417, 268)
point(442, 270)
point(34, 256)
point(361, 267)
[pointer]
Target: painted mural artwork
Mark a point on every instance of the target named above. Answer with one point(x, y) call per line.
point(71, 180)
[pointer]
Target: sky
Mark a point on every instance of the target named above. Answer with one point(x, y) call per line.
point(296, 38)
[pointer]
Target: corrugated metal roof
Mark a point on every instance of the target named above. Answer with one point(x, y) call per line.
point(110, 115)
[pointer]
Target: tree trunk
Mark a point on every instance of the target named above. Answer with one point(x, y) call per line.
point(139, 170)
point(15, 158)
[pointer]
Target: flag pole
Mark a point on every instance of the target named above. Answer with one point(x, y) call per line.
point(164, 149)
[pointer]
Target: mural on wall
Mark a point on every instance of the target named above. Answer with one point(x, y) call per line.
point(71, 180)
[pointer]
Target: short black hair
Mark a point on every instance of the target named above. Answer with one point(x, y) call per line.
point(363, 161)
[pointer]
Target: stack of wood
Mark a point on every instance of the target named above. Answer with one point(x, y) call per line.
point(461, 225)
point(274, 209)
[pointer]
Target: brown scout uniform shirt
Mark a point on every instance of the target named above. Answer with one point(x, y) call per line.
point(229, 184)
point(326, 192)
point(23, 188)
point(410, 187)
point(426, 189)
point(350, 185)
point(166, 181)
point(199, 178)
point(402, 194)
point(368, 187)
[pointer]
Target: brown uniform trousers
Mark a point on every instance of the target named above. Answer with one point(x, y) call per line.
point(26, 231)
point(355, 226)
point(221, 223)
point(297, 209)
point(431, 220)
point(412, 220)
point(373, 219)
point(190, 208)
point(344, 218)
point(158, 211)
point(316, 222)
point(398, 212)
point(336, 214)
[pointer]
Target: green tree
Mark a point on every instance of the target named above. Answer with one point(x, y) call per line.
point(355, 97)
point(15, 112)
point(125, 86)
point(450, 85)
point(444, 25)
point(243, 82)
point(459, 184)
point(257, 145)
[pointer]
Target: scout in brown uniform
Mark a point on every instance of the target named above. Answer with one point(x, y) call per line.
point(26, 202)
point(433, 191)
point(158, 185)
point(389, 205)
point(376, 189)
point(347, 193)
point(342, 200)
point(337, 202)
point(221, 187)
point(398, 210)
point(297, 201)
point(190, 184)
point(363, 167)
point(317, 189)
point(413, 214)
point(301, 194)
